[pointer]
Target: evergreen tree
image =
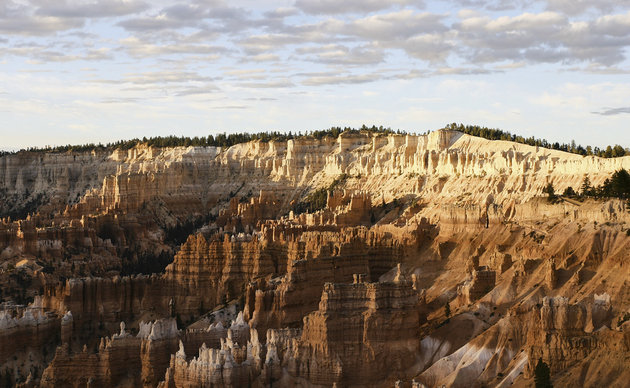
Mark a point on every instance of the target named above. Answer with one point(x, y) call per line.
point(542, 375)
point(586, 189)
point(618, 151)
point(604, 190)
point(608, 152)
point(620, 184)
point(550, 191)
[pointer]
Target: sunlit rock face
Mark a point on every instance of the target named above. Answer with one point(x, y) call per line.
point(362, 332)
point(432, 260)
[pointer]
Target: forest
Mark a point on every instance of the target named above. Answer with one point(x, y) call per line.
point(227, 140)
point(498, 134)
point(617, 186)
point(219, 140)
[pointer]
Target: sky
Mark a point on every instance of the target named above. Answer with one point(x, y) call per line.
point(80, 71)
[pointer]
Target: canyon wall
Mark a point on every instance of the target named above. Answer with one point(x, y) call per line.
point(446, 166)
point(432, 260)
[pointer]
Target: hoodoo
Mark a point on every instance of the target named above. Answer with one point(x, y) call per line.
point(366, 260)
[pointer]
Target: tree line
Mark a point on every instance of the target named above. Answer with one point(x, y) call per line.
point(617, 186)
point(227, 140)
point(219, 140)
point(498, 134)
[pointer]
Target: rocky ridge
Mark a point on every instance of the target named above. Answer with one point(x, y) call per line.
point(353, 294)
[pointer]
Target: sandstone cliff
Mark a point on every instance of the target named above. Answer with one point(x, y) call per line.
point(434, 261)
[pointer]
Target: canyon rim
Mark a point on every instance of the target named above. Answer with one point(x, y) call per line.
point(366, 259)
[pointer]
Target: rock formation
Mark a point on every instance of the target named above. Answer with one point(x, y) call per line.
point(424, 261)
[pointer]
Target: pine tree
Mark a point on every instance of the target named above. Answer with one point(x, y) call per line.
point(586, 189)
point(542, 375)
point(620, 184)
point(550, 191)
point(569, 192)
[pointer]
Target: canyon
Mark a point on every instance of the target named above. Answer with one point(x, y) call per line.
point(436, 260)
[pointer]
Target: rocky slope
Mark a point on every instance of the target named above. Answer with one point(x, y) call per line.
point(436, 261)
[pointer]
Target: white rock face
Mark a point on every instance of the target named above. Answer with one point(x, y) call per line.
point(123, 333)
point(160, 329)
point(30, 317)
point(67, 318)
point(216, 367)
point(600, 314)
point(446, 166)
point(601, 300)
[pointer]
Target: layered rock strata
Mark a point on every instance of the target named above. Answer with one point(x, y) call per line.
point(509, 278)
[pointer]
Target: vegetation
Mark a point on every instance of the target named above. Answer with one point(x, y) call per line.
point(542, 375)
point(317, 200)
point(551, 192)
point(220, 140)
point(21, 211)
point(6, 378)
point(586, 189)
point(498, 134)
point(228, 140)
point(137, 262)
point(617, 186)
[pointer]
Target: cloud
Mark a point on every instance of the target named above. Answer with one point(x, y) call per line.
point(359, 34)
point(262, 58)
point(339, 79)
point(261, 99)
point(613, 111)
point(247, 73)
point(95, 9)
point(265, 43)
point(155, 23)
point(576, 7)
point(23, 24)
point(120, 100)
point(280, 13)
point(139, 48)
point(463, 71)
point(342, 55)
point(158, 78)
point(434, 48)
point(40, 18)
point(395, 25)
point(229, 107)
point(331, 7)
point(272, 84)
point(201, 47)
point(42, 54)
point(613, 25)
point(568, 7)
point(205, 16)
point(546, 37)
point(197, 90)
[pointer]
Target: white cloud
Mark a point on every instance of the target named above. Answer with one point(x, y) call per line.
point(395, 25)
point(162, 55)
point(547, 37)
point(91, 9)
point(576, 7)
point(339, 79)
point(351, 6)
point(341, 54)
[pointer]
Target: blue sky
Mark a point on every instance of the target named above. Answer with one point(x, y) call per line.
point(97, 71)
